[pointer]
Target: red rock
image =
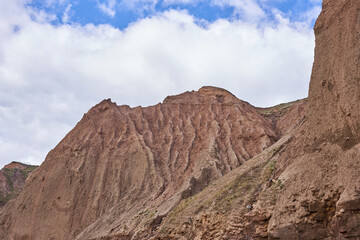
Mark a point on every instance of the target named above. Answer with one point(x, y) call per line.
point(121, 164)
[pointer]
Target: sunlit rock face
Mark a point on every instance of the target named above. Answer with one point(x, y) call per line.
point(119, 161)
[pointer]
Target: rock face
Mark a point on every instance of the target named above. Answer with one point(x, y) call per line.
point(334, 113)
point(122, 169)
point(12, 180)
point(307, 185)
point(322, 170)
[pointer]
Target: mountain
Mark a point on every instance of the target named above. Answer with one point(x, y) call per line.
point(121, 168)
point(12, 180)
point(206, 165)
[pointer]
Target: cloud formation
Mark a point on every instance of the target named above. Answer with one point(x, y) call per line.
point(249, 10)
point(51, 74)
point(108, 7)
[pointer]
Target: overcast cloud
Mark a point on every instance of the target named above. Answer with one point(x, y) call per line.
point(50, 75)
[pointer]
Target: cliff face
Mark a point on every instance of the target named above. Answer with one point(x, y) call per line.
point(121, 169)
point(321, 173)
point(334, 113)
point(12, 180)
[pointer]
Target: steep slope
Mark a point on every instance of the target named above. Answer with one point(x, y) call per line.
point(12, 180)
point(323, 176)
point(122, 169)
point(236, 206)
point(307, 185)
point(284, 116)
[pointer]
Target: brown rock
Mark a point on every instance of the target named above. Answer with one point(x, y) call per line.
point(334, 85)
point(315, 206)
point(349, 200)
point(132, 164)
point(325, 151)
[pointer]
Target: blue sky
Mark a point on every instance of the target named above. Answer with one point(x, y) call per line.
point(122, 13)
point(58, 58)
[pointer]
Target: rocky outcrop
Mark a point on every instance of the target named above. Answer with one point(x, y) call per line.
point(122, 169)
point(321, 200)
point(12, 180)
point(334, 114)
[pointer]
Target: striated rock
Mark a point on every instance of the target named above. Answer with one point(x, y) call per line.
point(222, 207)
point(121, 170)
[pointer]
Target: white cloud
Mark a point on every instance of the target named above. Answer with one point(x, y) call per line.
point(311, 15)
point(139, 6)
point(67, 14)
point(50, 75)
point(108, 7)
point(245, 9)
point(189, 2)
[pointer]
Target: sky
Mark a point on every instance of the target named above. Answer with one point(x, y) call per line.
point(58, 58)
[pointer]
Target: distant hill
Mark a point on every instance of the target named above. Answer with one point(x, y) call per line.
point(12, 180)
